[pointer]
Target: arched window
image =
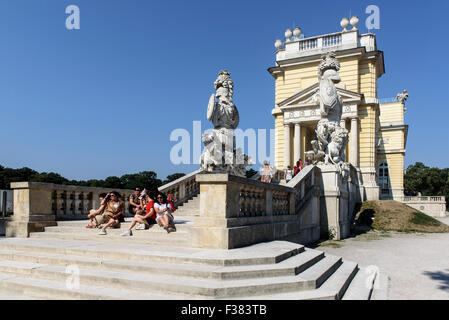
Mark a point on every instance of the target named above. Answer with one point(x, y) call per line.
point(384, 178)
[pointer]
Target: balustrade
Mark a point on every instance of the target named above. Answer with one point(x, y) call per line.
point(183, 189)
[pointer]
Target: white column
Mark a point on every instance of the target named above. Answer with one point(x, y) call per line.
point(354, 152)
point(286, 146)
point(297, 146)
point(343, 125)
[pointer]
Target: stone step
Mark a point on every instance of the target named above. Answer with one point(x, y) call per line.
point(259, 254)
point(291, 266)
point(191, 204)
point(167, 284)
point(31, 288)
point(183, 222)
point(361, 286)
point(189, 212)
point(41, 217)
point(332, 289)
point(154, 229)
point(173, 238)
point(322, 270)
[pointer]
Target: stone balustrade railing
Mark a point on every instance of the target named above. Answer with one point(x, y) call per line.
point(305, 186)
point(236, 212)
point(329, 42)
point(257, 199)
point(63, 201)
point(37, 205)
point(422, 199)
point(183, 189)
point(278, 176)
point(434, 206)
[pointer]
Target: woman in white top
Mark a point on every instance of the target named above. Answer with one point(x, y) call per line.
point(164, 211)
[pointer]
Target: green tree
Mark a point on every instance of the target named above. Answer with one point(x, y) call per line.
point(173, 177)
point(49, 177)
point(8, 175)
point(428, 181)
point(145, 179)
point(113, 183)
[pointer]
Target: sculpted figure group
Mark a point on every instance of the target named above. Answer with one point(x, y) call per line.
point(220, 155)
point(331, 138)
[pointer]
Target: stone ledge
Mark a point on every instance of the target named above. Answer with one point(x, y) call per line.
point(220, 178)
point(52, 186)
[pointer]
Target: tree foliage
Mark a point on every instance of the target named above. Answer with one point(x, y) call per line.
point(174, 177)
point(428, 181)
point(145, 179)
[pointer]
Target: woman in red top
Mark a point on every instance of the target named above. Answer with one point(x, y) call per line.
point(148, 219)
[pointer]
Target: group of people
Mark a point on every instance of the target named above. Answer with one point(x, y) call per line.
point(267, 173)
point(148, 207)
point(289, 174)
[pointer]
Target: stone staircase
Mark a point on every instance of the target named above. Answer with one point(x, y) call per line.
point(191, 208)
point(155, 265)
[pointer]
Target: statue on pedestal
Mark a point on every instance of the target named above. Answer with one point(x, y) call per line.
point(220, 155)
point(331, 139)
point(402, 97)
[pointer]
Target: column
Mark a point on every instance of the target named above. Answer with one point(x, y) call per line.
point(354, 152)
point(297, 146)
point(286, 146)
point(343, 125)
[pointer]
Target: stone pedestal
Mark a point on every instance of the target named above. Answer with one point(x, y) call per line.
point(32, 209)
point(237, 212)
point(335, 203)
point(370, 186)
point(219, 200)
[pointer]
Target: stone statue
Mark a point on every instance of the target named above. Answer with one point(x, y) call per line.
point(331, 137)
point(402, 97)
point(220, 155)
point(223, 113)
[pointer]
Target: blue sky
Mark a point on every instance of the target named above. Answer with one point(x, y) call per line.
point(103, 100)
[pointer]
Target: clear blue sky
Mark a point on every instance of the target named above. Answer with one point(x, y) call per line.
point(103, 100)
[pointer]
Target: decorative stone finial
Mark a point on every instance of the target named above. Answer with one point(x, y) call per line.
point(354, 22)
point(297, 33)
point(288, 35)
point(278, 44)
point(344, 24)
point(402, 97)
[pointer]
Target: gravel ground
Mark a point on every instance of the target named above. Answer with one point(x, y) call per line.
point(416, 264)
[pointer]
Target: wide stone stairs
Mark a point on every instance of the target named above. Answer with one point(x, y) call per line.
point(191, 208)
point(155, 265)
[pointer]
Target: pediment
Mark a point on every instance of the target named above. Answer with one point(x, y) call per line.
point(310, 97)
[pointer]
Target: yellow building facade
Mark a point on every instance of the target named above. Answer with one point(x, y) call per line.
point(377, 133)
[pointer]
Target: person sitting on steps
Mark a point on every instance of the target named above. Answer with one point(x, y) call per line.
point(113, 213)
point(148, 219)
point(135, 201)
point(164, 212)
point(94, 213)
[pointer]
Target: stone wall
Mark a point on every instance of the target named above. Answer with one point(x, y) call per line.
point(237, 212)
point(432, 206)
point(37, 205)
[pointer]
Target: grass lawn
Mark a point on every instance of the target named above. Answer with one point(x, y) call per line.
point(396, 216)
